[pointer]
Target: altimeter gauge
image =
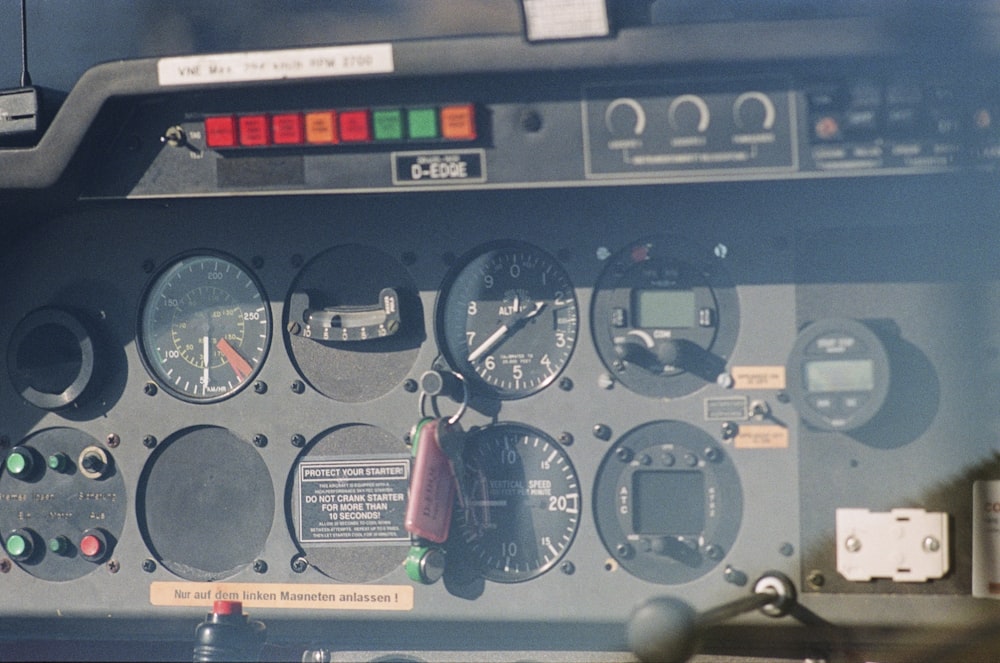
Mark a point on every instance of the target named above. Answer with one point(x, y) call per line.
point(507, 319)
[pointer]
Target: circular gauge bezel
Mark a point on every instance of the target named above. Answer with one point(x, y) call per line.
point(147, 350)
point(668, 266)
point(501, 266)
point(548, 502)
point(839, 342)
point(682, 520)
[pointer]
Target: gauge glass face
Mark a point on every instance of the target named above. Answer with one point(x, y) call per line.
point(205, 327)
point(508, 320)
point(521, 502)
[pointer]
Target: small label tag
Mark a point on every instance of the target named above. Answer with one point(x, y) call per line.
point(284, 596)
point(761, 437)
point(986, 539)
point(276, 65)
point(721, 409)
point(758, 377)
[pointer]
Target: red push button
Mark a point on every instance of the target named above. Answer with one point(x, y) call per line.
point(254, 130)
point(220, 131)
point(355, 126)
point(287, 129)
point(91, 547)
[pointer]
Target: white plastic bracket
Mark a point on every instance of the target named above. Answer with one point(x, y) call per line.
point(907, 545)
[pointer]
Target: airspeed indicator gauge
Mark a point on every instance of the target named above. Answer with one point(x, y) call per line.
point(205, 327)
point(507, 319)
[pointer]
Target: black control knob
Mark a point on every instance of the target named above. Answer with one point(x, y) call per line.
point(227, 634)
point(668, 630)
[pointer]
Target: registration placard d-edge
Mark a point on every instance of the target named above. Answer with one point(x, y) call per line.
point(439, 167)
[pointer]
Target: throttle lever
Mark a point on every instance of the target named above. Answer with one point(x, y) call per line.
point(668, 630)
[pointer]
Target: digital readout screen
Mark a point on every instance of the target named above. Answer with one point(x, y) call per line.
point(840, 375)
point(668, 503)
point(664, 308)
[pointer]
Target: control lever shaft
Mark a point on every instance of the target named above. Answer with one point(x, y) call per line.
point(668, 630)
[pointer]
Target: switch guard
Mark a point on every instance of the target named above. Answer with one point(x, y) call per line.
point(907, 545)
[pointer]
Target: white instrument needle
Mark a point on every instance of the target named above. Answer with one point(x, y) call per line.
point(505, 329)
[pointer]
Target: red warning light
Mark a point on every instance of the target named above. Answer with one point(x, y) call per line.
point(287, 129)
point(355, 126)
point(254, 130)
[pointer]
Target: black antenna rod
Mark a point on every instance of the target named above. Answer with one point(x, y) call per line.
point(25, 76)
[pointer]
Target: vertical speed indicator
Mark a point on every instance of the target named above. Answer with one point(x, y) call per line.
point(507, 319)
point(521, 505)
point(205, 327)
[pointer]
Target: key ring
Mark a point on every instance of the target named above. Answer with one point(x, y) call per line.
point(433, 384)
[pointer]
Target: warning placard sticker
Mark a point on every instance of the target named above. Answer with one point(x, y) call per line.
point(287, 595)
point(353, 501)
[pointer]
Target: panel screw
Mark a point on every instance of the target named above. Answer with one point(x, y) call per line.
point(566, 384)
point(734, 576)
point(149, 389)
point(783, 397)
point(724, 380)
point(569, 568)
point(298, 440)
point(410, 386)
point(298, 387)
point(299, 564)
point(602, 432)
point(931, 544)
point(853, 544)
point(624, 454)
point(259, 566)
point(816, 579)
point(4, 565)
point(531, 121)
point(729, 430)
point(294, 328)
point(114, 440)
point(260, 387)
point(147, 266)
point(714, 552)
point(114, 566)
point(260, 440)
point(565, 438)
point(786, 549)
point(713, 455)
point(624, 550)
point(149, 441)
point(148, 565)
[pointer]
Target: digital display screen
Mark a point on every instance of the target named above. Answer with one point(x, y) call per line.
point(842, 375)
point(668, 503)
point(664, 308)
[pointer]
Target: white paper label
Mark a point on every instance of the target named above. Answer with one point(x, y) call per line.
point(986, 539)
point(276, 65)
